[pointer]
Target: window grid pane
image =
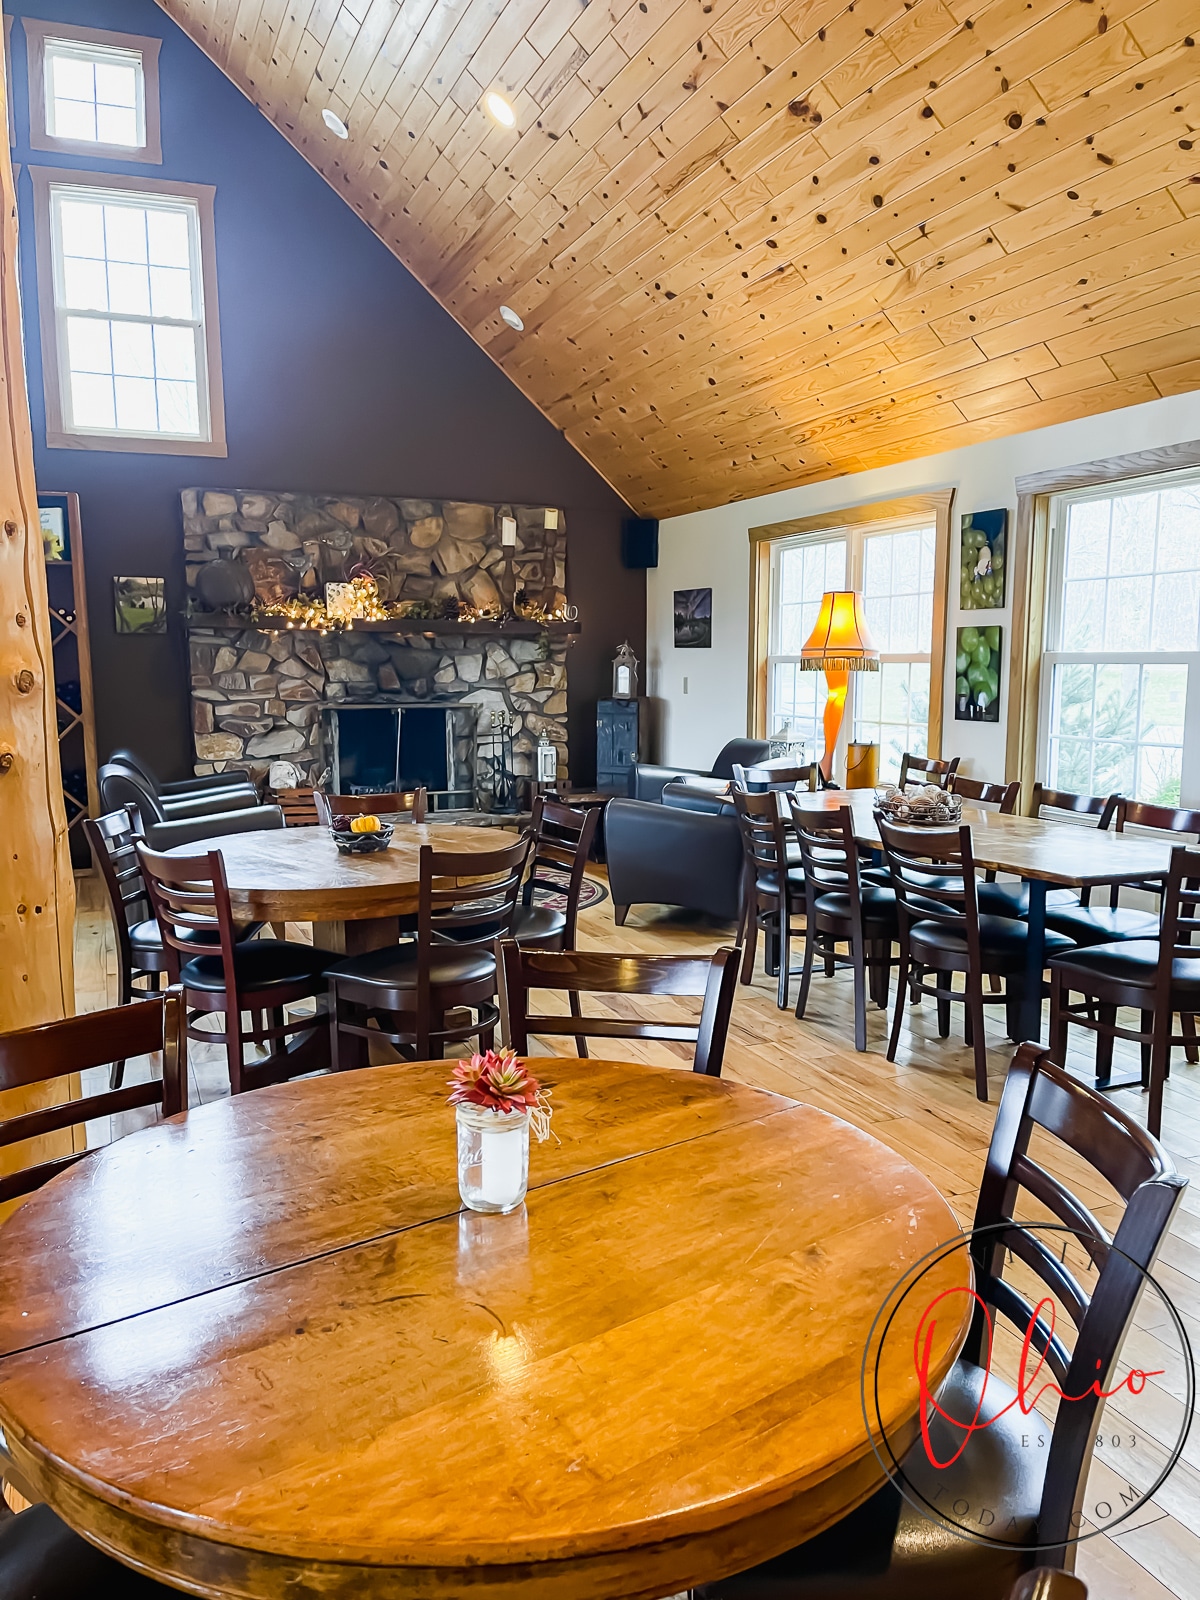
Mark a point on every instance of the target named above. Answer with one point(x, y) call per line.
point(1131, 572)
point(1117, 727)
point(130, 321)
point(94, 93)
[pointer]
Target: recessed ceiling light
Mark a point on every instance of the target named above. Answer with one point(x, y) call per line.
point(507, 314)
point(334, 123)
point(498, 107)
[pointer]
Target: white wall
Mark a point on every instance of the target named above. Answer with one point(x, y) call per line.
point(711, 548)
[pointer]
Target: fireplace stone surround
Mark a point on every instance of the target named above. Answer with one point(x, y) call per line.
point(258, 688)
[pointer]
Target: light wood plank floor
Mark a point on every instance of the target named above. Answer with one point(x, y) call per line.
point(924, 1106)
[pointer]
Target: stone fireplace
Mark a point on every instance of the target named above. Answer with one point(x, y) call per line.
point(263, 693)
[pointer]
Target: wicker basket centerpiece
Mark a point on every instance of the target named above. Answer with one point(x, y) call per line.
point(919, 805)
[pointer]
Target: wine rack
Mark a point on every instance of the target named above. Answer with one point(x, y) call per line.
point(62, 544)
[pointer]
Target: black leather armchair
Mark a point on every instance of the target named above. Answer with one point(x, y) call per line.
point(222, 791)
point(672, 856)
point(164, 829)
point(646, 782)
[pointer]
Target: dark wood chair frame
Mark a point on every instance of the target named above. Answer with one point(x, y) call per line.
point(933, 874)
point(831, 860)
point(563, 836)
point(1103, 994)
point(760, 780)
point(926, 767)
point(190, 892)
point(1005, 796)
point(450, 913)
point(714, 979)
point(765, 839)
point(1038, 1095)
point(96, 1039)
point(409, 805)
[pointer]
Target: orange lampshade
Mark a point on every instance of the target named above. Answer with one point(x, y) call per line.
point(840, 642)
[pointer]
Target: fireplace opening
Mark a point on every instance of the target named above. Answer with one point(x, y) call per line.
point(424, 748)
point(365, 750)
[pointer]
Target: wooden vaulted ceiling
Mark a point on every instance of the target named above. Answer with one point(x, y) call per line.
point(763, 242)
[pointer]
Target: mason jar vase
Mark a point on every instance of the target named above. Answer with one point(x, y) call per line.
point(493, 1157)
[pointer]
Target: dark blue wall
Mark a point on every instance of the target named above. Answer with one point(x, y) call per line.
point(341, 373)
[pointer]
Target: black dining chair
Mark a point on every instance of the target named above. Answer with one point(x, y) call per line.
point(1158, 977)
point(926, 769)
point(840, 908)
point(772, 887)
point(942, 931)
point(888, 1549)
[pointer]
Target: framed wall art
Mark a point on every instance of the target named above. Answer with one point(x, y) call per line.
point(693, 619)
point(983, 561)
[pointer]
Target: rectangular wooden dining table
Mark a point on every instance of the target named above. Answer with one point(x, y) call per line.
point(1043, 853)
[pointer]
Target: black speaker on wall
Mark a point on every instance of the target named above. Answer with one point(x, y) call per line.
point(639, 542)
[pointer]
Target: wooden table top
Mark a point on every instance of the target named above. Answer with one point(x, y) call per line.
point(261, 1344)
point(298, 875)
point(1028, 847)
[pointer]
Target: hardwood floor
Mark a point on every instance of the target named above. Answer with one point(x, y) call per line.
point(924, 1106)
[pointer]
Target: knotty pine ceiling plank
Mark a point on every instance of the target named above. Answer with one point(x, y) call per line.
point(703, 320)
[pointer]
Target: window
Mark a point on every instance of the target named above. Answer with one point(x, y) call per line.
point(1120, 686)
point(130, 350)
point(93, 92)
point(895, 570)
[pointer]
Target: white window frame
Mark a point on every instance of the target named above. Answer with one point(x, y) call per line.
point(854, 538)
point(37, 32)
point(59, 435)
point(1052, 656)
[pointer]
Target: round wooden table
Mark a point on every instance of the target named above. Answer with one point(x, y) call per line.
point(353, 902)
point(259, 1350)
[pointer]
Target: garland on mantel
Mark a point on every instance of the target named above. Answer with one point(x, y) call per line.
point(359, 602)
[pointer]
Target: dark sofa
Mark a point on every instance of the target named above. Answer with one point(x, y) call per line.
point(664, 854)
point(647, 782)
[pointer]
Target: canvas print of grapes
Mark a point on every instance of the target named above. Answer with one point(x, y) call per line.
point(977, 675)
point(981, 581)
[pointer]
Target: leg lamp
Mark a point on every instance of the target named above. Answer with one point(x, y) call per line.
point(839, 645)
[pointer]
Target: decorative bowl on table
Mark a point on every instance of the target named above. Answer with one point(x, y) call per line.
point(919, 805)
point(360, 836)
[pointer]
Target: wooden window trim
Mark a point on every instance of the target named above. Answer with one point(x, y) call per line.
point(1029, 569)
point(936, 505)
point(37, 32)
point(57, 438)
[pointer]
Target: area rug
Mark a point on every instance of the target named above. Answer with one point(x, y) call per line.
point(591, 893)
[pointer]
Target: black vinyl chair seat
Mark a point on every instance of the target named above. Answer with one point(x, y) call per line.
point(538, 922)
point(395, 967)
point(889, 1550)
point(768, 882)
point(1135, 961)
point(1102, 924)
point(42, 1559)
point(999, 938)
point(1011, 899)
point(261, 964)
point(878, 904)
point(146, 939)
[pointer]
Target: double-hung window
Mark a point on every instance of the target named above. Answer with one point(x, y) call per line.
point(130, 346)
point(894, 568)
point(1120, 682)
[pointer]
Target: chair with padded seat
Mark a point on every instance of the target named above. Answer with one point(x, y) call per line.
point(41, 1558)
point(840, 908)
point(1158, 977)
point(182, 790)
point(171, 823)
point(409, 805)
point(892, 1549)
point(772, 886)
point(712, 979)
point(261, 977)
point(406, 993)
point(942, 931)
point(140, 957)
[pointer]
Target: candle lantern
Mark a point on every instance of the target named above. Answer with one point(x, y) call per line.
point(625, 674)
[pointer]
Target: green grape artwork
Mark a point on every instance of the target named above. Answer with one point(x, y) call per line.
point(982, 561)
point(977, 675)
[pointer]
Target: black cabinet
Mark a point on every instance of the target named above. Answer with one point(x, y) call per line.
point(623, 736)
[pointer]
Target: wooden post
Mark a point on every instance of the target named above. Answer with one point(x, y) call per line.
point(37, 892)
